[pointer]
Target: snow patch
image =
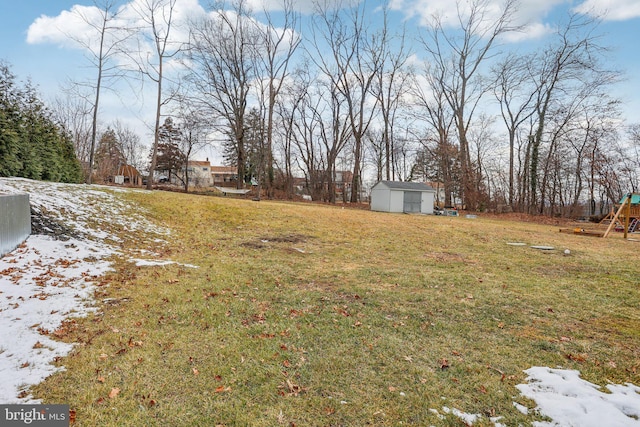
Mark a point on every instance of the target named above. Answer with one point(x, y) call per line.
point(571, 401)
point(52, 276)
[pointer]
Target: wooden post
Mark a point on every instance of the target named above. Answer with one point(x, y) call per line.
point(627, 216)
point(615, 217)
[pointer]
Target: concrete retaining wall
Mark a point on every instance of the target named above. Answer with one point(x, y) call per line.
point(15, 221)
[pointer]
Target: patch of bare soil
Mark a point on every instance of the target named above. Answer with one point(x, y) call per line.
point(263, 242)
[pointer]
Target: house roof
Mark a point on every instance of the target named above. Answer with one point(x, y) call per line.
point(224, 169)
point(198, 163)
point(398, 185)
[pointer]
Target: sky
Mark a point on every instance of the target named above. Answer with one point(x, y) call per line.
point(45, 281)
point(34, 39)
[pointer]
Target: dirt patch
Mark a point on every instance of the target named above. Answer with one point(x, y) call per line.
point(253, 245)
point(265, 242)
point(289, 238)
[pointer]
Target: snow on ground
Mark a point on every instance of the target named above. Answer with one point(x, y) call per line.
point(571, 401)
point(53, 274)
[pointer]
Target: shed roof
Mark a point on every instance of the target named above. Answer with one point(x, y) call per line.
point(413, 186)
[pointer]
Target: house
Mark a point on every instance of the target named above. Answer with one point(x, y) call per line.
point(199, 173)
point(408, 197)
point(224, 176)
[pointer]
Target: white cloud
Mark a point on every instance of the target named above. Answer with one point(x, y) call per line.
point(610, 10)
point(304, 6)
point(530, 15)
point(76, 27)
point(530, 31)
point(62, 29)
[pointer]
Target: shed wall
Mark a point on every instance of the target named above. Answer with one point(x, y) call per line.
point(384, 199)
point(15, 221)
point(428, 198)
point(380, 199)
point(396, 201)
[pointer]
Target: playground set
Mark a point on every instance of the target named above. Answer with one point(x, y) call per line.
point(625, 219)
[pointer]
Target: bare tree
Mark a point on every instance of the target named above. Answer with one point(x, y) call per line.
point(74, 115)
point(433, 108)
point(391, 84)
point(630, 159)
point(223, 60)
point(278, 46)
point(514, 93)
point(101, 46)
point(287, 108)
point(130, 145)
point(460, 54)
point(158, 19)
point(300, 119)
point(192, 128)
point(568, 75)
point(351, 67)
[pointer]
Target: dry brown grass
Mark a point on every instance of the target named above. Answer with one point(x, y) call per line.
point(314, 315)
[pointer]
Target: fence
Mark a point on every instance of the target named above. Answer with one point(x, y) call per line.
point(15, 221)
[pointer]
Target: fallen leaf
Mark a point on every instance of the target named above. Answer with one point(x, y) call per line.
point(114, 392)
point(101, 379)
point(195, 371)
point(444, 363)
point(576, 357)
point(222, 389)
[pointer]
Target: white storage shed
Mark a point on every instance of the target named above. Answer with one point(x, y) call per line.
point(407, 197)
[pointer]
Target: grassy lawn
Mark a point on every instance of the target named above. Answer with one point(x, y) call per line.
point(313, 315)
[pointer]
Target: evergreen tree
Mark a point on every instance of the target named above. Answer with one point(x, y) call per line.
point(32, 144)
point(170, 158)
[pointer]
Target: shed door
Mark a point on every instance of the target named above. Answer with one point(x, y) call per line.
point(412, 201)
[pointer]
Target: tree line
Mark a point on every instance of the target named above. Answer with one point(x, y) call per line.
point(288, 95)
point(32, 144)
